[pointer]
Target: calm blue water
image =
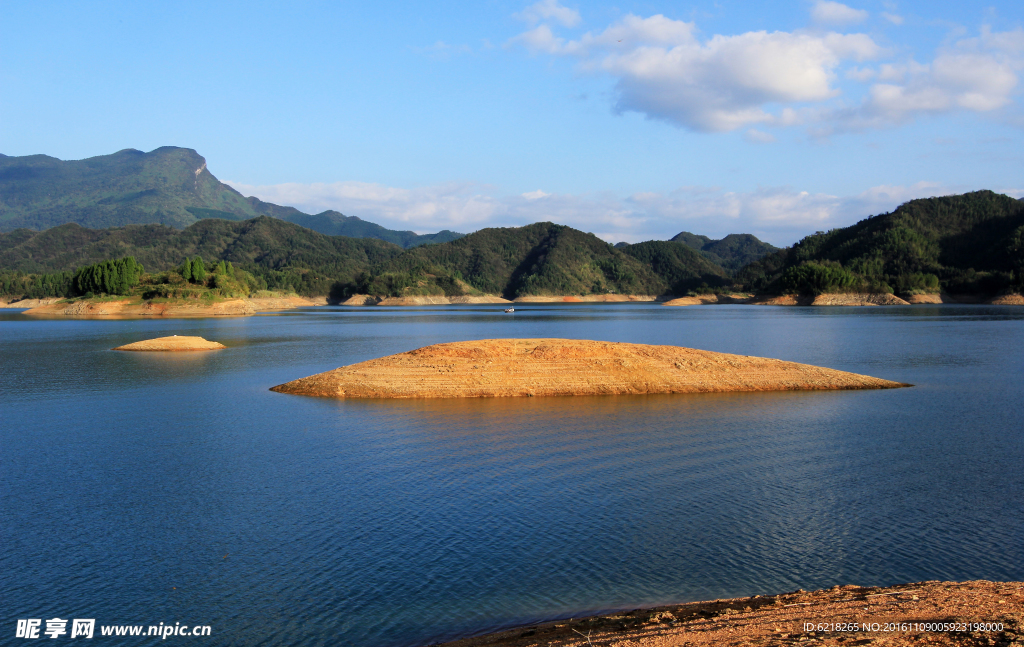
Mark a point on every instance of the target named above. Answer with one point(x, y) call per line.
point(144, 488)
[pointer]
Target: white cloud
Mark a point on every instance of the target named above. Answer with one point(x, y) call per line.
point(662, 70)
point(755, 136)
point(826, 12)
point(977, 75)
point(550, 10)
point(540, 39)
point(893, 18)
point(780, 215)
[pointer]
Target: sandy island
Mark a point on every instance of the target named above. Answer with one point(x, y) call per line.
point(175, 343)
point(780, 620)
point(545, 367)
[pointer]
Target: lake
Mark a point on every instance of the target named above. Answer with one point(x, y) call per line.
point(140, 488)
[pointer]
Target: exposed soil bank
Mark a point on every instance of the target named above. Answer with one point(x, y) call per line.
point(781, 619)
point(367, 300)
point(846, 299)
point(425, 301)
point(916, 299)
point(859, 299)
point(263, 304)
point(174, 343)
point(710, 299)
point(29, 303)
point(782, 300)
point(1008, 300)
point(590, 298)
point(548, 367)
point(136, 307)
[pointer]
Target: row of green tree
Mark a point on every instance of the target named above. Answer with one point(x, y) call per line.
point(125, 276)
point(116, 276)
point(19, 285)
point(109, 277)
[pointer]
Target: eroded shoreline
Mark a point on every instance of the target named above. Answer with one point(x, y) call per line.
point(132, 307)
point(56, 307)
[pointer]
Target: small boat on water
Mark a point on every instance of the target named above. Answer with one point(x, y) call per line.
point(510, 309)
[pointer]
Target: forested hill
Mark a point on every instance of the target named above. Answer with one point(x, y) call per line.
point(538, 259)
point(970, 243)
point(732, 252)
point(333, 223)
point(284, 254)
point(681, 267)
point(170, 186)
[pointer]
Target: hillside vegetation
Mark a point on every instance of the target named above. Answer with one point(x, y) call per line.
point(284, 255)
point(169, 186)
point(970, 243)
point(682, 268)
point(539, 259)
point(127, 277)
point(333, 223)
point(966, 244)
point(732, 252)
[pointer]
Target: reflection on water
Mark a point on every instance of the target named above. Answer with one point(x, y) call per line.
point(154, 487)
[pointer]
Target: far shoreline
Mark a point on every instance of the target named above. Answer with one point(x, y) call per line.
point(134, 307)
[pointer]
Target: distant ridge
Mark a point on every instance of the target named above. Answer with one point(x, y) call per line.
point(168, 186)
point(732, 252)
point(971, 243)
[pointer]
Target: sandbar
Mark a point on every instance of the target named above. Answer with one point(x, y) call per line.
point(559, 367)
point(174, 343)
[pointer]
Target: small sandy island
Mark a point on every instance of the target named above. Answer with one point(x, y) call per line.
point(174, 343)
point(542, 367)
point(783, 619)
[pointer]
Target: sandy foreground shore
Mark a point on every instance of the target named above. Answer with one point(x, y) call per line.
point(559, 367)
point(926, 613)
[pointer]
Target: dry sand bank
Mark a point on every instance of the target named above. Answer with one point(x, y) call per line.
point(844, 299)
point(30, 303)
point(135, 307)
point(590, 298)
point(859, 299)
point(262, 304)
point(709, 299)
point(780, 620)
point(1008, 300)
point(367, 300)
point(175, 343)
point(548, 367)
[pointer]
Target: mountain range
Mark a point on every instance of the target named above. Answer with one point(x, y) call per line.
point(168, 186)
point(164, 206)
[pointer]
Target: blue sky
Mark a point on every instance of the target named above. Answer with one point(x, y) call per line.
point(633, 120)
